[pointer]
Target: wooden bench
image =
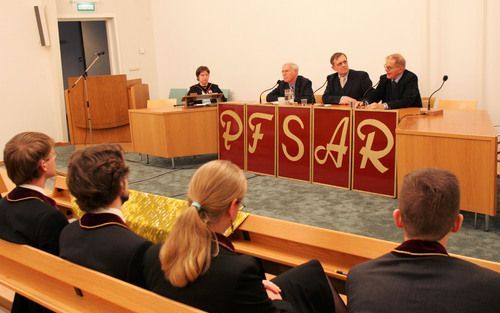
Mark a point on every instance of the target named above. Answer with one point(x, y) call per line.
point(281, 245)
point(66, 287)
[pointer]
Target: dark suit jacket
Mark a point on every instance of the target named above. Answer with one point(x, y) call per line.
point(29, 217)
point(303, 90)
point(210, 88)
point(233, 283)
point(400, 282)
point(358, 82)
point(404, 94)
point(104, 243)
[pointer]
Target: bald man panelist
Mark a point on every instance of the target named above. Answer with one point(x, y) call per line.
point(301, 86)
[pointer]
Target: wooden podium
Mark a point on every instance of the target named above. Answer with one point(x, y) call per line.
point(107, 114)
point(188, 101)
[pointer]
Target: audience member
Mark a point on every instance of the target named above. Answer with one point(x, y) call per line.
point(397, 89)
point(419, 275)
point(346, 86)
point(198, 266)
point(299, 85)
point(27, 215)
point(101, 240)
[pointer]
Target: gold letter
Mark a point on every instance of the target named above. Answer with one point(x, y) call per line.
point(257, 135)
point(367, 152)
point(341, 148)
point(227, 136)
point(290, 135)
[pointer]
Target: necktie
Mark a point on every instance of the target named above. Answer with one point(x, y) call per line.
point(343, 80)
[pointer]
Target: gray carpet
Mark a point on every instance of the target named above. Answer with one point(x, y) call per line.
point(305, 203)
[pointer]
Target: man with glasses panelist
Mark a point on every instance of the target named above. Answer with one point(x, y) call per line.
point(397, 89)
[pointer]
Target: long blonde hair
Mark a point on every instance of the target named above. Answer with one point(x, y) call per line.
point(187, 252)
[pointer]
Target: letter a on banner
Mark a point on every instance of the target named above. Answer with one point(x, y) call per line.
point(261, 139)
point(332, 146)
point(374, 152)
point(231, 121)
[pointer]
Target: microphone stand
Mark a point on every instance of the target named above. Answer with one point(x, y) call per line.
point(86, 93)
point(314, 93)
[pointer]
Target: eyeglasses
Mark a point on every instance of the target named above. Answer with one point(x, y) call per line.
point(390, 68)
point(341, 63)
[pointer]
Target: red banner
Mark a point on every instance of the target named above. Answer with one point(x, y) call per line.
point(294, 142)
point(261, 139)
point(374, 151)
point(332, 146)
point(231, 135)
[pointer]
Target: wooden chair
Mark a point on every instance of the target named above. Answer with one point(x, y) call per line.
point(6, 184)
point(425, 100)
point(458, 104)
point(161, 103)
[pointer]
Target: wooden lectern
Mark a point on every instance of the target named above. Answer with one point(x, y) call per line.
point(107, 113)
point(188, 101)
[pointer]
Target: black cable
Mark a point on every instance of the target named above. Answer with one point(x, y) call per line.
point(417, 114)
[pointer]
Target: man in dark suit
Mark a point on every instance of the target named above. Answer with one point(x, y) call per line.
point(419, 275)
point(346, 86)
point(101, 240)
point(27, 215)
point(301, 86)
point(397, 89)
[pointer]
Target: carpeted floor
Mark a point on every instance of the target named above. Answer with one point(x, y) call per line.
point(305, 203)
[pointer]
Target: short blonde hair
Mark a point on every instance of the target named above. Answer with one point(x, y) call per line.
point(398, 59)
point(187, 252)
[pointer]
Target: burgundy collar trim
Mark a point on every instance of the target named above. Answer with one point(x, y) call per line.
point(90, 220)
point(414, 247)
point(22, 194)
point(225, 242)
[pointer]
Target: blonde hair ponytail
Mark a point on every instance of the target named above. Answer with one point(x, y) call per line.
point(187, 252)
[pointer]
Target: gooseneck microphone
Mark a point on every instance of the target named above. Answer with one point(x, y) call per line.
point(367, 91)
point(445, 78)
point(260, 97)
point(314, 98)
point(100, 53)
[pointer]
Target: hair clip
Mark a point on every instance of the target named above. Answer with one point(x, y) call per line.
point(196, 205)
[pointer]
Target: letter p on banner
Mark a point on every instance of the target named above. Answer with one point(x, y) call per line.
point(231, 133)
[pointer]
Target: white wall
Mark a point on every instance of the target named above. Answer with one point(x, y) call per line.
point(29, 87)
point(245, 43)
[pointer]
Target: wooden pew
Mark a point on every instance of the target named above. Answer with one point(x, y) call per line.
point(281, 245)
point(66, 287)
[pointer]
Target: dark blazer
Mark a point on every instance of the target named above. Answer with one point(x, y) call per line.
point(210, 88)
point(402, 282)
point(358, 82)
point(233, 283)
point(404, 94)
point(104, 243)
point(303, 90)
point(31, 218)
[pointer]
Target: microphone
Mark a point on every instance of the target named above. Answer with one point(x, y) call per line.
point(367, 91)
point(100, 53)
point(260, 97)
point(314, 98)
point(445, 78)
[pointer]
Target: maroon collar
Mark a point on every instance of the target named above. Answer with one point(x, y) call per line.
point(90, 220)
point(225, 242)
point(22, 194)
point(415, 247)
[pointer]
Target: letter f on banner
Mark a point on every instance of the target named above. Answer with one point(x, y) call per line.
point(257, 135)
point(228, 137)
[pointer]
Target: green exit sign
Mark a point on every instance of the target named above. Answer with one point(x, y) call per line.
point(85, 6)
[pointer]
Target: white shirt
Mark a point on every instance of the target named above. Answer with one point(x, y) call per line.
point(35, 188)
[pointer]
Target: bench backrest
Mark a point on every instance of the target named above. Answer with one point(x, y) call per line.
point(66, 287)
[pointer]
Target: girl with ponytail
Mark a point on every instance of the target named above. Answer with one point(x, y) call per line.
point(198, 266)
